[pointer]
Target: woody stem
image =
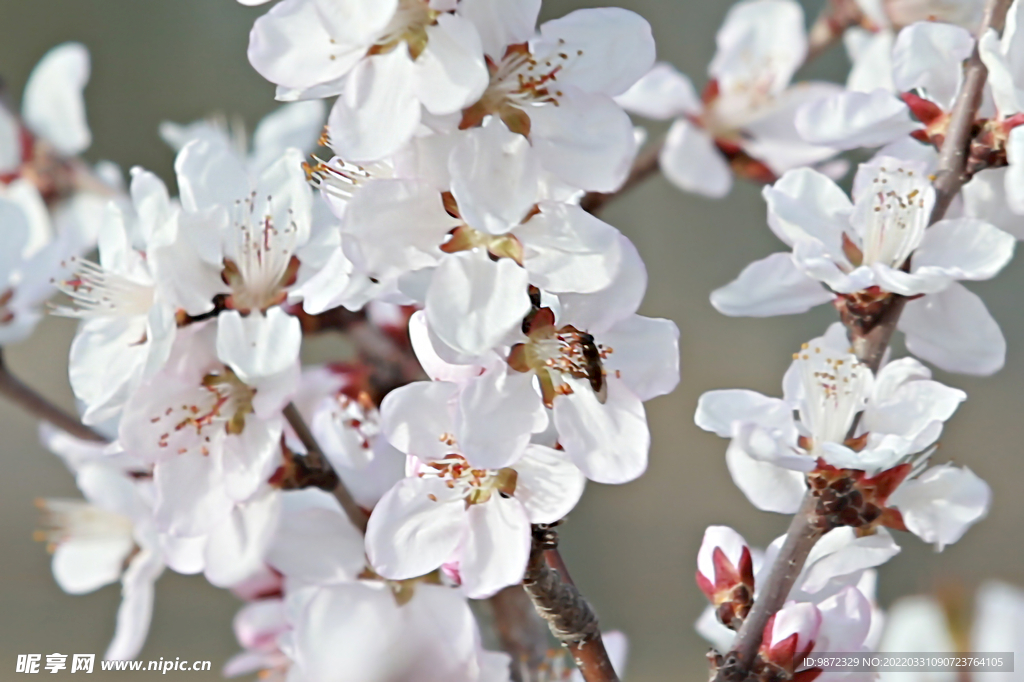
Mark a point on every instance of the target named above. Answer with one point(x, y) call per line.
point(41, 408)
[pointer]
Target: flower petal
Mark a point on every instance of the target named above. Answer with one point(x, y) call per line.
point(258, 345)
point(692, 162)
point(954, 331)
point(548, 485)
point(768, 287)
point(495, 548)
point(52, 105)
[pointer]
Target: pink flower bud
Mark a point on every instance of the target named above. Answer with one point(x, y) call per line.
point(725, 574)
point(723, 563)
point(790, 635)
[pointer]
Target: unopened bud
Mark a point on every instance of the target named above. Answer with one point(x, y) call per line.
point(725, 574)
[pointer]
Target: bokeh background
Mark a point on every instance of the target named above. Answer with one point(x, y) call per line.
point(632, 548)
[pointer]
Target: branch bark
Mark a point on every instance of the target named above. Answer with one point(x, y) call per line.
point(315, 461)
point(41, 408)
point(523, 634)
point(803, 533)
point(570, 618)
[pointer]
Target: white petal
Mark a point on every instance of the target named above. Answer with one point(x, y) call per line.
point(722, 411)
point(985, 197)
point(1008, 98)
point(964, 248)
point(210, 175)
point(662, 93)
point(845, 622)
point(496, 417)
point(954, 331)
point(415, 528)
point(356, 21)
point(236, 546)
point(871, 54)
point(291, 125)
point(692, 162)
point(842, 554)
point(609, 442)
point(501, 23)
point(759, 41)
point(602, 310)
point(495, 548)
point(929, 56)
point(81, 565)
point(807, 205)
point(473, 302)
point(291, 47)
point(10, 142)
point(52, 105)
point(856, 119)
point(617, 47)
point(314, 541)
point(189, 498)
point(644, 353)
point(942, 503)
point(569, 250)
point(136, 610)
point(396, 226)
point(1015, 173)
point(768, 287)
point(377, 112)
point(587, 140)
point(258, 345)
point(450, 73)
point(415, 416)
point(494, 177)
point(548, 485)
point(768, 487)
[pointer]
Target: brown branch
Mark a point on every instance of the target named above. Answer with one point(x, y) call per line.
point(316, 461)
point(870, 345)
point(803, 533)
point(522, 632)
point(827, 30)
point(570, 618)
point(41, 408)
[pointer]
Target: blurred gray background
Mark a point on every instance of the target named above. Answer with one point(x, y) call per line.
point(632, 548)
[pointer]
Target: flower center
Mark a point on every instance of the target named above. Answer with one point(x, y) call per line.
point(895, 223)
point(475, 485)
point(264, 264)
point(555, 353)
point(222, 400)
point(408, 25)
point(96, 292)
point(520, 80)
point(835, 390)
point(339, 179)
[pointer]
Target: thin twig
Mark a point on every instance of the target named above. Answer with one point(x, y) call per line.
point(523, 634)
point(870, 346)
point(803, 533)
point(40, 407)
point(570, 618)
point(315, 460)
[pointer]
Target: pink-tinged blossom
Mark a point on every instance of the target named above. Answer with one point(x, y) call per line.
point(743, 123)
point(258, 626)
point(386, 61)
point(214, 440)
point(447, 511)
point(858, 252)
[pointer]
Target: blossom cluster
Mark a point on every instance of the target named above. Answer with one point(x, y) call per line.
point(424, 183)
point(462, 138)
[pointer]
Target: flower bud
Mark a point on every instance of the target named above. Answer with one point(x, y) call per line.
point(790, 635)
point(725, 573)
